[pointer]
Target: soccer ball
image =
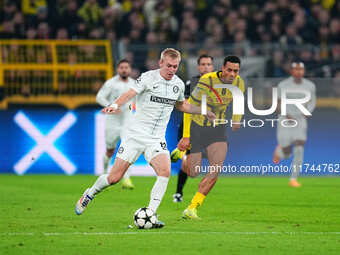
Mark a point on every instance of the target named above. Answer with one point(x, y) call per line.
point(145, 218)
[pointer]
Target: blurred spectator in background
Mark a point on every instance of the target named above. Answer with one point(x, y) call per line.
point(91, 13)
point(218, 27)
point(275, 67)
point(8, 31)
point(81, 31)
point(42, 16)
point(307, 57)
point(9, 10)
point(68, 17)
point(134, 19)
point(334, 30)
point(156, 12)
point(19, 25)
point(31, 33)
point(323, 41)
point(112, 18)
point(152, 40)
point(212, 48)
point(43, 31)
point(35, 11)
point(62, 34)
point(30, 7)
point(241, 46)
point(291, 38)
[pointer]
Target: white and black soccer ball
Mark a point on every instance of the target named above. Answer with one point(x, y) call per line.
point(145, 218)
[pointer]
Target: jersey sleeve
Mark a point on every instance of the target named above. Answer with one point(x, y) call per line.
point(103, 95)
point(279, 88)
point(140, 83)
point(241, 86)
point(181, 95)
point(312, 102)
point(186, 122)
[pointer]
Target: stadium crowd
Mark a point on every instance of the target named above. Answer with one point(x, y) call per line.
point(279, 29)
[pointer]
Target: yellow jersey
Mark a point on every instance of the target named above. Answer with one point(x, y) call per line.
point(218, 100)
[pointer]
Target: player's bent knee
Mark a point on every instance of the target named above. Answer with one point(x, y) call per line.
point(164, 173)
point(287, 150)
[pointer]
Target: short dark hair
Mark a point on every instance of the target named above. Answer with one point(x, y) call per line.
point(123, 61)
point(232, 59)
point(204, 56)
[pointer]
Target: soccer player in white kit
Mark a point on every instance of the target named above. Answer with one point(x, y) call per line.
point(114, 124)
point(297, 136)
point(158, 91)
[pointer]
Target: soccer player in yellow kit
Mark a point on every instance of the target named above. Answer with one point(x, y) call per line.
point(202, 134)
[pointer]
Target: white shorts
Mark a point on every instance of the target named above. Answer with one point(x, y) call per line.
point(286, 136)
point(132, 147)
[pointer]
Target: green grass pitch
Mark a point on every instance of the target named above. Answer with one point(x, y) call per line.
point(242, 215)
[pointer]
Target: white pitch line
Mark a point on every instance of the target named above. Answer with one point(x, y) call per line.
point(16, 234)
point(141, 232)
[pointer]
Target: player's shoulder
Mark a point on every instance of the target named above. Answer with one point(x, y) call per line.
point(285, 82)
point(208, 78)
point(210, 75)
point(309, 83)
point(178, 81)
point(151, 75)
point(131, 80)
point(112, 80)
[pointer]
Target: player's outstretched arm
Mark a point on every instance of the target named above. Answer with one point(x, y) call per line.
point(121, 100)
point(193, 109)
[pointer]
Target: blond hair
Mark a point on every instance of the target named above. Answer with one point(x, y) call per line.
point(171, 52)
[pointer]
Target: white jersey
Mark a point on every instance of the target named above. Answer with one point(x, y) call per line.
point(109, 92)
point(112, 89)
point(305, 84)
point(114, 123)
point(155, 101)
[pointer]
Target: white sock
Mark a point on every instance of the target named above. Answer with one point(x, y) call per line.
point(158, 192)
point(127, 173)
point(281, 154)
point(100, 184)
point(297, 162)
point(106, 162)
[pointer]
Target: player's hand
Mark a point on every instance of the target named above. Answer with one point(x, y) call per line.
point(211, 116)
point(183, 144)
point(110, 110)
point(236, 126)
point(177, 154)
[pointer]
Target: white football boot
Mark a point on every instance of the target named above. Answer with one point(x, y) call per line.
point(83, 202)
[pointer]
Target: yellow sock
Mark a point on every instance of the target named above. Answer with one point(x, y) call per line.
point(197, 200)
